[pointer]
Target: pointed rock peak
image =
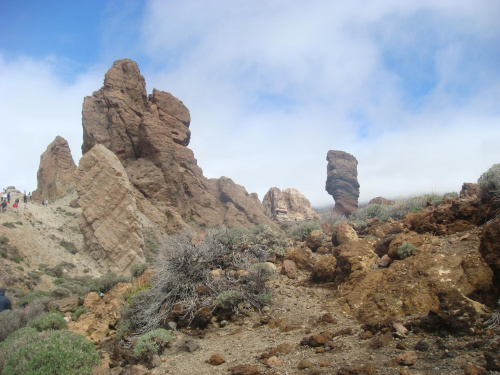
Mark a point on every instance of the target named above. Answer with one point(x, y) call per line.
point(55, 173)
point(289, 205)
point(125, 76)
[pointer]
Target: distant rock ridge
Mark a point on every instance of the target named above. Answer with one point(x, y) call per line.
point(342, 181)
point(289, 205)
point(56, 171)
point(150, 135)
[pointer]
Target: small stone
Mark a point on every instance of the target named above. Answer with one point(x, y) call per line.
point(223, 323)
point(244, 370)
point(320, 350)
point(274, 362)
point(422, 346)
point(284, 348)
point(407, 359)
point(324, 363)
point(474, 370)
point(400, 329)
point(216, 360)
point(366, 335)
point(303, 364)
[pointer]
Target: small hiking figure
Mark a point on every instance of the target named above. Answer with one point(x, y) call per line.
point(25, 198)
point(29, 194)
point(43, 202)
point(8, 196)
point(101, 295)
point(4, 205)
point(4, 301)
point(17, 201)
point(14, 206)
point(46, 202)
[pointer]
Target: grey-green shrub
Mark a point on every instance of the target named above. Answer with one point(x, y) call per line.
point(300, 231)
point(184, 265)
point(138, 269)
point(49, 321)
point(228, 299)
point(489, 181)
point(152, 341)
point(60, 352)
point(106, 282)
point(406, 250)
point(70, 246)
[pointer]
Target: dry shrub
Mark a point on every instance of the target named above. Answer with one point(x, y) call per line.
point(185, 266)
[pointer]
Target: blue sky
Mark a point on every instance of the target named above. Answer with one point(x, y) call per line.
point(411, 89)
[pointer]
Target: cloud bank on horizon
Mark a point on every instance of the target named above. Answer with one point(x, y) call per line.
point(411, 89)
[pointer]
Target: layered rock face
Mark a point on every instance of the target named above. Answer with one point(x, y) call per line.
point(289, 205)
point(56, 172)
point(149, 135)
point(110, 218)
point(342, 181)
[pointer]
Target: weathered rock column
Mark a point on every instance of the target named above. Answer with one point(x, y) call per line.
point(342, 181)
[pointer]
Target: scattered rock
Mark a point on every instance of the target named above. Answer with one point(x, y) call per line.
point(358, 370)
point(289, 269)
point(381, 201)
point(244, 370)
point(343, 233)
point(216, 360)
point(304, 363)
point(407, 359)
point(274, 362)
point(324, 269)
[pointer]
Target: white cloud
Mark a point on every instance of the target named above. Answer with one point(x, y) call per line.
point(410, 88)
point(36, 105)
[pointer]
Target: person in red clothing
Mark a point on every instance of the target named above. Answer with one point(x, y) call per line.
point(14, 206)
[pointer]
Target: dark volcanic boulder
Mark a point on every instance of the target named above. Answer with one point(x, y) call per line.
point(342, 181)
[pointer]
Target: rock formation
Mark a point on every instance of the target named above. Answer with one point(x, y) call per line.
point(342, 182)
point(109, 221)
point(381, 201)
point(289, 205)
point(150, 135)
point(56, 172)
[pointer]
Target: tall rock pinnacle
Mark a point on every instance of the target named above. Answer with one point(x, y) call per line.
point(342, 182)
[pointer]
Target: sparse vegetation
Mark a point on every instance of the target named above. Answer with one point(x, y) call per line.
point(406, 250)
point(61, 352)
point(49, 321)
point(138, 269)
point(104, 283)
point(9, 224)
point(12, 320)
point(489, 182)
point(300, 231)
point(70, 246)
point(184, 265)
point(152, 341)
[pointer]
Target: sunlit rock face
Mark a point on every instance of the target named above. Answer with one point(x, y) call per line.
point(150, 135)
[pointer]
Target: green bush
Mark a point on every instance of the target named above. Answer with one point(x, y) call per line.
point(58, 270)
point(152, 341)
point(489, 181)
point(9, 224)
point(70, 246)
point(61, 352)
point(3, 240)
point(228, 299)
point(106, 282)
point(300, 231)
point(49, 321)
point(77, 312)
point(138, 269)
point(406, 250)
point(60, 292)
point(12, 320)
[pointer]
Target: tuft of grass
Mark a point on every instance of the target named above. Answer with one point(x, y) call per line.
point(9, 224)
point(70, 246)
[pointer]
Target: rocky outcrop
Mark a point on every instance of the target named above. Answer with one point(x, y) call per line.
point(109, 221)
point(342, 181)
point(56, 171)
point(382, 201)
point(150, 135)
point(289, 205)
point(489, 247)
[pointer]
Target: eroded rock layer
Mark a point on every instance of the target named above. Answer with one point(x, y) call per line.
point(56, 171)
point(289, 205)
point(150, 135)
point(109, 221)
point(342, 181)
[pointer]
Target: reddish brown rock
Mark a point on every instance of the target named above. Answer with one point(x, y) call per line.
point(216, 360)
point(56, 171)
point(342, 181)
point(324, 269)
point(316, 239)
point(407, 359)
point(343, 233)
point(150, 135)
point(110, 219)
point(358, 370)
point(489, 247)
point(289, 205)
point(469, 190)
point(244, 370)
point(289, 269)
point(303, 257)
